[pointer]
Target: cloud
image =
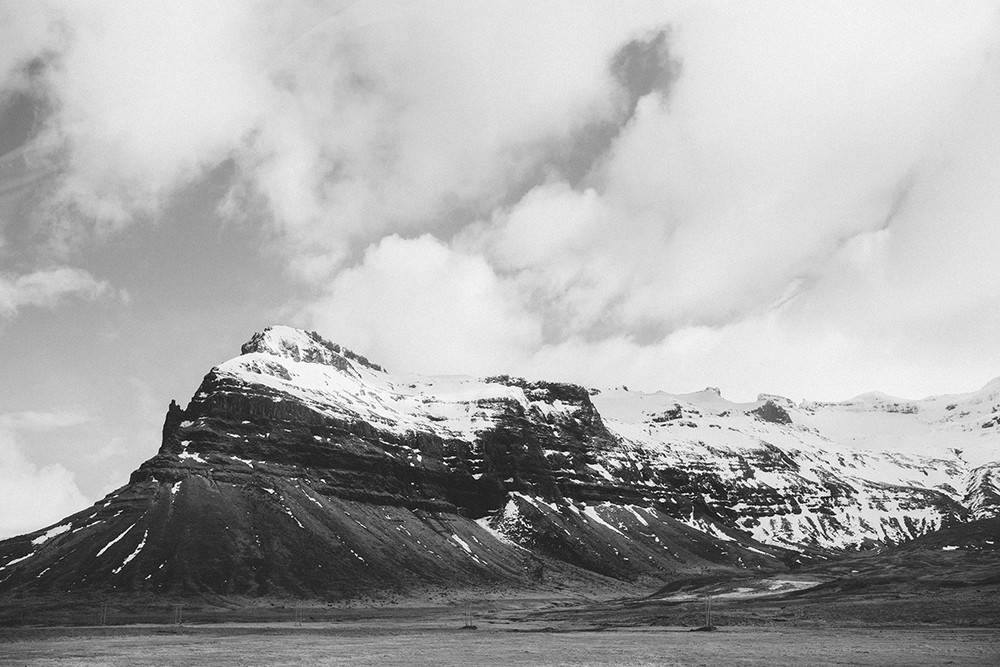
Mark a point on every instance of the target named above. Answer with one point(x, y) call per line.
point(47, 288)
point(347, 121)
point(765, 204)
point(420, 121)
point(43, 421)
point(32, 496)
point(415, 305)
point(578, 180)
point(144, 98)
point(715, 205)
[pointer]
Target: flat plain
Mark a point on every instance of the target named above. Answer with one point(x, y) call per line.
point(438, 640)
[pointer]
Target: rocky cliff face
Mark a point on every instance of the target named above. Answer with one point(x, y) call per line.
point(300, 467)
point(766, 470)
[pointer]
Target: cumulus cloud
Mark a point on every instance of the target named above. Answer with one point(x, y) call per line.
point(33, 496)
point(457, 184)
point(744, 186)
point(47, 288)
point(416, 304)
point(783, 205)
point(143, 98)
point(420, 119)
point(346, 121)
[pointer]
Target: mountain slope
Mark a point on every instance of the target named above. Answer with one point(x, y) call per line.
point(301, 468)
point(767, 470)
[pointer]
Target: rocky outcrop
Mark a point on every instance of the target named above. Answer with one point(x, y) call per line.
point(304, 346)
point(982, 491)
point(772, 412)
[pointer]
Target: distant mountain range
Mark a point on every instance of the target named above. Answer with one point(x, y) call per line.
point(301, 468)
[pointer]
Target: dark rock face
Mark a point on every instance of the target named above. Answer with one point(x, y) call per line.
point(301, 468)
point(982, 491)
point(255, 491)
point(230, 419)
point(772, 412)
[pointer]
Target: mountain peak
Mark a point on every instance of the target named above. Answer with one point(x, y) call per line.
point(302, 345)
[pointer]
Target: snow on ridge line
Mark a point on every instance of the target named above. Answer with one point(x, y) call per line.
point(52, 532)
point(408, 415)
point(446, 406)
point(450, 405)
point(287, 342)
point(279, 340)
point(426, 403)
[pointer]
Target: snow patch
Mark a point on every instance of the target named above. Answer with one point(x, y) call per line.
point(50, 533)
point(193, 456)
point(462, 543)
point(288, 511)
point(309, 496)
point(591, 512)
point(112, 542)
point(17, 560)
point(636, 514)
point(602, 471)
point(132, 555)
point(484, 523)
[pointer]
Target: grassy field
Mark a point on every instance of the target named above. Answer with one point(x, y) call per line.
point(413, 642)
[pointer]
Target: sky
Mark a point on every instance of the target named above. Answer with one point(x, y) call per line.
point(798, 198)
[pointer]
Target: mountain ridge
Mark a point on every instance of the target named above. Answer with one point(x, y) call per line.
point(302, 468)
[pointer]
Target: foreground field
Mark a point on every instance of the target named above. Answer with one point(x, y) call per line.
point(414, 643)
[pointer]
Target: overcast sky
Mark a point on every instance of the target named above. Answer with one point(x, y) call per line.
point(785, 197)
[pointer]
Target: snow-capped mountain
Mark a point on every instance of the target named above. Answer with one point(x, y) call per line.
point(300, 467)
point(838, 475)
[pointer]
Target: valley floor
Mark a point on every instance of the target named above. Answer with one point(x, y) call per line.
point(440, 641)
point(868, 609)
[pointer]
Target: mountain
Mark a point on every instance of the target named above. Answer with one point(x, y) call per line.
point(948, 577)
point(867, 471)
point(302, 468)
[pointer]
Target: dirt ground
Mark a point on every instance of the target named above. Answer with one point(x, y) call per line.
point(438, 641)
